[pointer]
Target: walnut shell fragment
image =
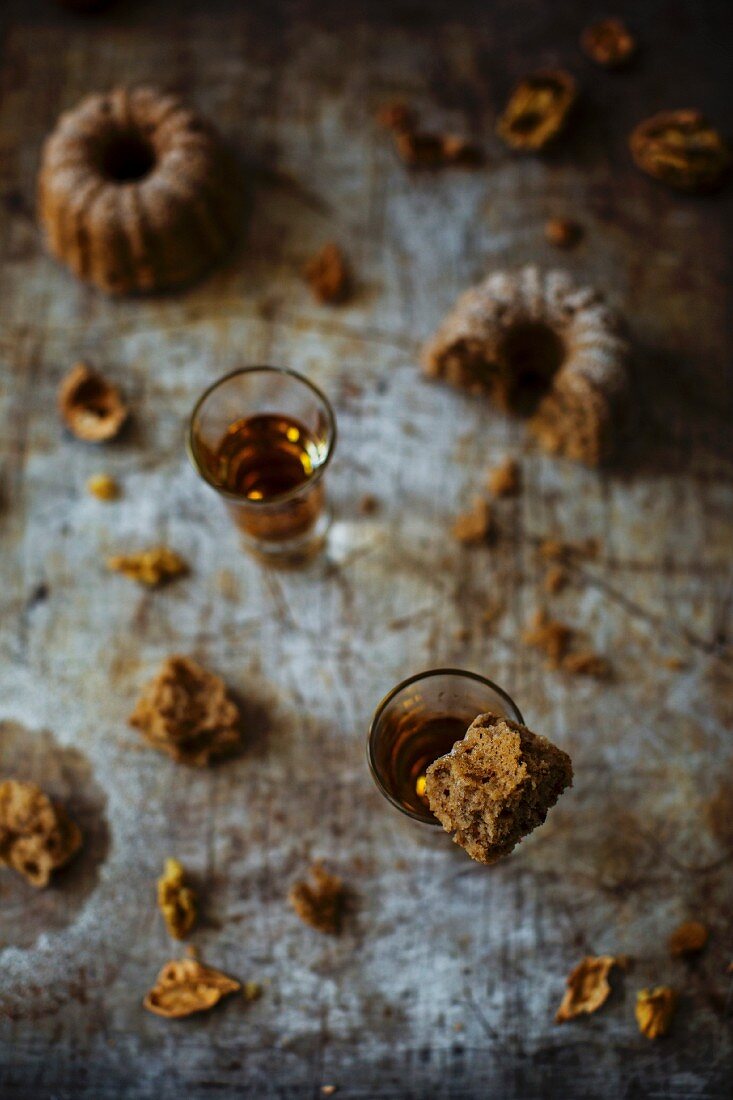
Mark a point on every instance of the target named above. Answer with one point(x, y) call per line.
point(654, 1010)
point(688, 939)
point(537, 110)
point(496, 786)
point(185, 986)
point(91, 407)
point(320, 902)
point(587, 987)
point(328, 275)
point(609, 43)
point(185, 711)
point(681, 149)
point(176, 901)
point(36, 835)
point(150, 567)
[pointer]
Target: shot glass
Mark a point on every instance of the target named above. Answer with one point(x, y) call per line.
point(421, 719)
point(262, 437)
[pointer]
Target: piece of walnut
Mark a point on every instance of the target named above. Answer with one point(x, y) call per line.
point(103, 487)
point(505, 480)
point(36, 835)
point(151, 567)
point(474, 527)
point(688, 939)
point(654, 1010)
point(681, 149)
point(587, 987)
point(320, 902)
point(91, 407)
point(609, 43)
point(537, 110)
point(328, 275)
point(185, 986)
point(176, 901)
point(186, 712)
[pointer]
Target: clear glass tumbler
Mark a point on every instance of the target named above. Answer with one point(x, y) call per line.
point(262, 437)
point(421, 719)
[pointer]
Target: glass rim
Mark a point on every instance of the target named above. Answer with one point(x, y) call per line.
point(280, 498)
point(465, 674)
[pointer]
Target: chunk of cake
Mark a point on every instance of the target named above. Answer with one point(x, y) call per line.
point(496, 786)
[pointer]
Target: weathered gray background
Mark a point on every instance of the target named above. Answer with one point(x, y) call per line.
point(446, 979)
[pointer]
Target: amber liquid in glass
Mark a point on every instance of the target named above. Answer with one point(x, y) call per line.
point(262, 459)
point(416, 741)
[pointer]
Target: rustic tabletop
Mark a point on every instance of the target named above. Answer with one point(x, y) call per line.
point(446, 977)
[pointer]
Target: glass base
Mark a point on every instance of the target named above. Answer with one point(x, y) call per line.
point(288, 553)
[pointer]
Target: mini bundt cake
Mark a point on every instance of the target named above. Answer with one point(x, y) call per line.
point(541, 347)
point(136, 192)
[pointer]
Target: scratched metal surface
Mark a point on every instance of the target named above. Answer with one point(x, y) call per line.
point(445, 980)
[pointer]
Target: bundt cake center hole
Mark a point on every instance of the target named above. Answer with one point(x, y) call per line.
point(528, 357)
point(127, 156)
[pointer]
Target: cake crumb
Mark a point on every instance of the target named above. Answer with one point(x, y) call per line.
point(328, 275)
point(550, 636)
point(688, 939)
point(152, 567)
point(555, 549)
point(505, 480)
point(396, 115)
point(37, 836)
point(103, 487)
point(319, 902)
point(328, 1090)
point(654, 1010)
point(609, 43)
point(474, 527)
point(185, 711)
point(496, 786)
point(556, 578)
point(251, 991)
point(368, 504)
point(562, 233)
point(588, 987)
point(226, 584)
point(586, 663)
point(675, 664)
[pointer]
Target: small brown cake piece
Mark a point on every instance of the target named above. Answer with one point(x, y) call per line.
point(541, 347)
point(185, 711)
point(36, 835)
point(475, 526)
point(328, 275)
point(150, 567)
point(91, 407)
point(319, 903)
point(505, 480)
point(562, 233)
point(496, 786)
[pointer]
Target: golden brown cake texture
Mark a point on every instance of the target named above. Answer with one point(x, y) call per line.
point(186, 711)
point(36, 835)
point(496, 786)
point(539, 345)
point(136, 192)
